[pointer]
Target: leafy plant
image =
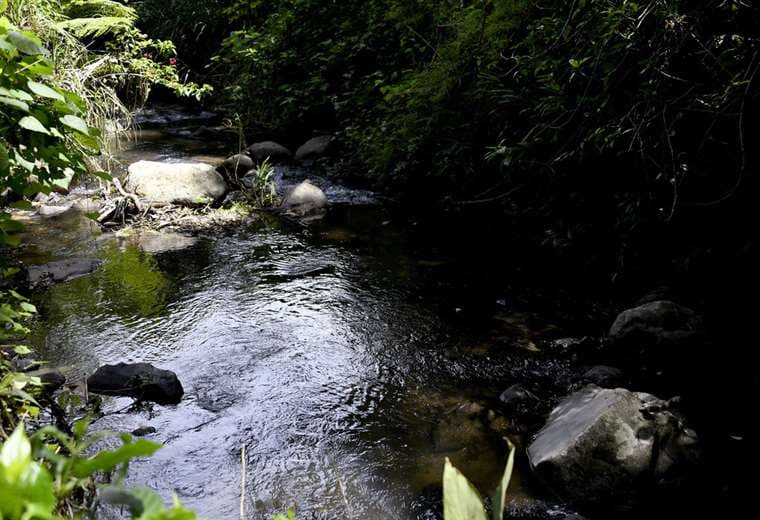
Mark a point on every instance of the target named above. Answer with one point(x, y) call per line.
point(50, 476)
point(461, 501)
point(42, 132)
point(262, 191)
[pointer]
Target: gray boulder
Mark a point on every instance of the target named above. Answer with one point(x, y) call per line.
point(304, 200)
point(314, 148)
point(654, 323)
point(137, 380)
point(238, 164)
point(176, 182)
point(611, 447)
point(269, 149)
point(61, 271)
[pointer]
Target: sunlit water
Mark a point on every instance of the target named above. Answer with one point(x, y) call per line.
point(331, 354)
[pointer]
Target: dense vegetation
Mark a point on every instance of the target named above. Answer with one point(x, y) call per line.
point(606, 121)
point(618, 132)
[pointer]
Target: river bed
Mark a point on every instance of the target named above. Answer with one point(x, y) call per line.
point(347, 358)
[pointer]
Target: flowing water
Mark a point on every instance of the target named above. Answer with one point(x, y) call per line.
point(348, 358)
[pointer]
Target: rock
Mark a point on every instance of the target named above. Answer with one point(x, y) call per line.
point(655, 323)
point(142, 431)
point(237, 165)
point(314, 148)
point(269, 149)
point(176, 182)
point(52, 211)
point(85, 205)
point(232, 198)
point(51, 378)
point(604, 376)
point(519, 401)
point(162, 241)
point(535, 509)
point(304, 200)
point(612, 446)
point(61, 271)
point(141, 381)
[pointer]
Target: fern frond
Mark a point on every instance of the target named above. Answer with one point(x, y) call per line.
point(98, 26)
point(97, 8)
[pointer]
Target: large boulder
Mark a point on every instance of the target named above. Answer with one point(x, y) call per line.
point(611, 447)
point(237, 165)
point(658, 338)
point(657, 322)
point(304, 200)
point(137, 380)
point(275, 152)
point(314, 148)
point(176, 182)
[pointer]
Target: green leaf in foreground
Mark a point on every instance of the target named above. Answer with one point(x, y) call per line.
point(461, 501)
point(111, 459)
point(33, 124)
point(76, 123)
point(500, 495)
point(43, 90)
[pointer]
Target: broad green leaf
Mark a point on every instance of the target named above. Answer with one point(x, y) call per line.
point(3, 5)
point(461, 501)
point(43, 90)
point(33, 124)
point(15, 454)
point(28, 307)
point(26, 43)
point(21, 161)
point(76, 123)
point(6, 46)
point(111, 459)
point(37, 65)
point(500, 495)
point(15, 103)
point(4, 160)
point(22, 350)
point(15, 94)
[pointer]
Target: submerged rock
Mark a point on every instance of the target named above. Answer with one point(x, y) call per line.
point(611, 447)
point(61, 271)
point(142, 431)
point(138, 380)
point(519, 401)
point(176, 182)
point(314, 148)
point(275, 152)
point(304, 200)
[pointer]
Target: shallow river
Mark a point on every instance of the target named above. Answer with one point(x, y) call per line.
point(340, 356)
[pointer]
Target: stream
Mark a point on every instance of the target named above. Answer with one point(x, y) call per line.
point(347, 358)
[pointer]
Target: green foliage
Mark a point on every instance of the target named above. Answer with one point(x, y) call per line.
point(42, 131)
point(45, 476)
point(461, 501)
point(605, 115)
point(263, 192)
